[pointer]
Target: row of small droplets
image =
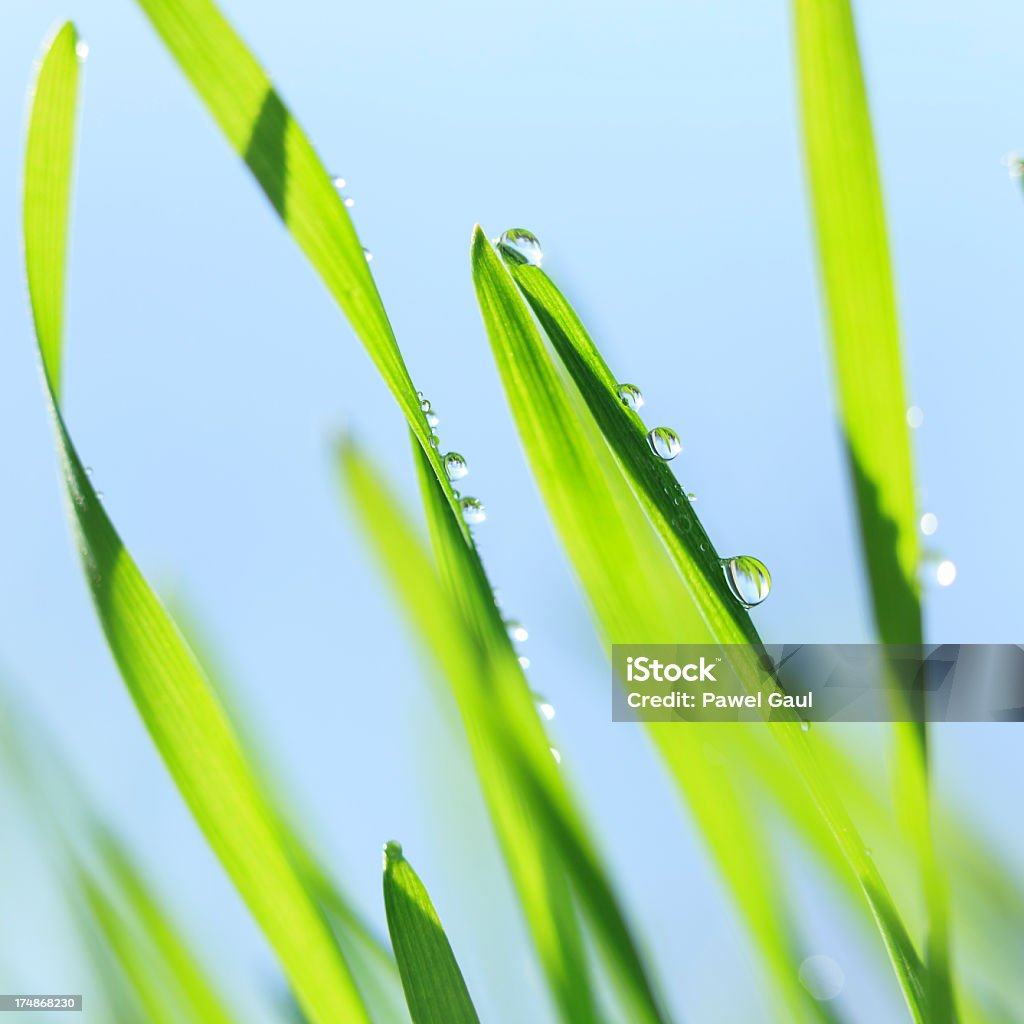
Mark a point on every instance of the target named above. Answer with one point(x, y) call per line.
point(473, 512)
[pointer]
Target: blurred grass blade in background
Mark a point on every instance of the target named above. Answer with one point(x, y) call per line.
point(170, 691)
point(434, 987)
point(856, 272)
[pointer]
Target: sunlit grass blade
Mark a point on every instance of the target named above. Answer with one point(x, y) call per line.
point(168, 686)
point(857, 277)
point(434, 987)
point(856, 272)
point(525, 791)
point(367, 955)
point(261, 129)
point(656, 486)
point(543, 413)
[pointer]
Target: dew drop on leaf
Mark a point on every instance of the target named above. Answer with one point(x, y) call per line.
point(748, 579)
point(455, 466)
point(664, 442)
point(516, 630)
point(630, 396)
point(517, 245)
point(473, 510)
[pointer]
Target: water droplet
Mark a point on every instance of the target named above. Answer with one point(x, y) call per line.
point(349, 202)
point(691, 497)
point(822, 977)
point(424, 402)
point(339, 183)
point(517, 245)
point(556, 755)
point(473, 510)
point(945, 573)
point(805, 726)
point(81, 49)
point(664, 442)
point(630, 396)
point(434, 440)
point(88, 471)
point(455, 466)
point(433, 419)
point(929, 523)
point(516, 630)
point(915, 417)
point(748, 578)
point(1014, 165)
point(368, 255)
point(99, 494)
point(546, 709)
point(524, 662)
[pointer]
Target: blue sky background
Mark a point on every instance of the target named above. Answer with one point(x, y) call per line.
point(653, 148)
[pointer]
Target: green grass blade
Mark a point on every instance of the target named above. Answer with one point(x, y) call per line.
point(656, 486)
point(434, 987)
point(260, 128)
point(168, 686)
point(510, 749)
point(367, 955)
point(540, 410)
point(857, 278)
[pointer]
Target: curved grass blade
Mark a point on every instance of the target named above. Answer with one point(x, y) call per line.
point(856, 272)
point(540, 408)
point(434, 987)
point(510, 749)
point(168, 686)
point(260, 128)
point(367, 955)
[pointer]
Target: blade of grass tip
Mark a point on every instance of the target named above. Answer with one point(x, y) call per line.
point(856, 271)
point(466, 580)
point(168, 686)
point(366, 953)
point(526, 794)
point(539, 407)
point(260, 128)
point(434, 987)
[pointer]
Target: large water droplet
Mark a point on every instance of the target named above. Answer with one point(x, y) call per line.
point(424, 402)
point(630, 396)
point(473, 510)
point(433, 419)
point(822, 977)
point(516, 630)
point(749, 579)
point(517, 245)
point(664, 442)
point(434, 440)
point(455, 466)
